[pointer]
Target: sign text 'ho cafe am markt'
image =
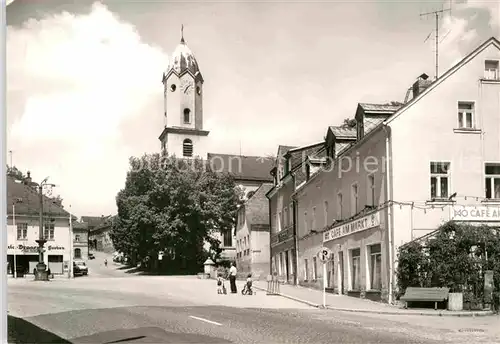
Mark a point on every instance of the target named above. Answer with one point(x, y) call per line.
point(358, 225)
point(475, 213)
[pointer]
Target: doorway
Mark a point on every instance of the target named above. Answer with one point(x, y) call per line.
point(330, 268)
point(287, 265)
point(341, 273)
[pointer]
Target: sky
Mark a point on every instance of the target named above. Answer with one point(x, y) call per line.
point(84, 89)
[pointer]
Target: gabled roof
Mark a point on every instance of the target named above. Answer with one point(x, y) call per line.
point(250, 168)
point(491, 41)
point(380, 108)
point(317, 151)
point(94, 221)
point(27, 201)
point(80, 225)
point(342, 132)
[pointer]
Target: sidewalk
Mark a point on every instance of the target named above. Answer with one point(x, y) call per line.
point(345, 303)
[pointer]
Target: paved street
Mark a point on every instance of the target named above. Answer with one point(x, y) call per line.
point(188, 310)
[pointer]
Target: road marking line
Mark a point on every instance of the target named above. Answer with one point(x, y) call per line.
point(205, 320)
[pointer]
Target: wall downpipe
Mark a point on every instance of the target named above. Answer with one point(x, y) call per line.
point(296, 240)
point(270, 236)
point(390, 215)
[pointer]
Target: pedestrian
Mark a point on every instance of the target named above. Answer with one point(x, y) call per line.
point(232, 278)
point(220, 283)
point(105, 262)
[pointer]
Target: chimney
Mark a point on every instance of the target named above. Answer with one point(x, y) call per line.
point(420, 85)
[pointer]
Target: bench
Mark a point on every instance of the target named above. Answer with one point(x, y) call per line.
point(425, 295)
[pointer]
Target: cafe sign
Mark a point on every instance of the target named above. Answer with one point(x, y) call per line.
point(355, 226)
point(33, 248)
point(475, 213)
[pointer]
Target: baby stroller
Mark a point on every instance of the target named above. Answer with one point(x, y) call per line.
point(247, 288)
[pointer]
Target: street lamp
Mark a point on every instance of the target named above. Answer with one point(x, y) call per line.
point(41, 268)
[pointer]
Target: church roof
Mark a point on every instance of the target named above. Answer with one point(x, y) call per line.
point(250, 168)
point(183, 60)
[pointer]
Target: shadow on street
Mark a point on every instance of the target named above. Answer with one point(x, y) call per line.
point(22, 331)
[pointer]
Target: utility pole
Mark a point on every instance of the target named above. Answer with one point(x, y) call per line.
point(70, 265)
point(436, 15)
point(10, 153)
point(41, 268)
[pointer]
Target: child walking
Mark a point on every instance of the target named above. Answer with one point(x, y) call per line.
point(220, 284)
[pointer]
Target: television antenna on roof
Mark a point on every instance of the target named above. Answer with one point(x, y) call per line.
point(436, 15)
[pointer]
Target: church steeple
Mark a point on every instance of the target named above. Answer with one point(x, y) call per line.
point(183, 100)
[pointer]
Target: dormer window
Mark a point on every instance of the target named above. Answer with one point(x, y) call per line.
point(187, 116)
point(491, 70)
point(187, 148)
point(287, 166)
point(308, 171)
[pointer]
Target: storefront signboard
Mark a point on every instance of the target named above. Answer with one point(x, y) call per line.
point(358, 225)
point(21, 248)
point(475, 213)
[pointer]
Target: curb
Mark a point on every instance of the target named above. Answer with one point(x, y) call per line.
point(352, 310)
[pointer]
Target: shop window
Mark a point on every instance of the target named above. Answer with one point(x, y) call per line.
point(306, 270)
point(291, 254)
point(315, 269)
point(49, 231)
point(22, 231)
point(375, 267)
point(355, 269)
point(440, 177)
point(492, 172)
point(78, 253)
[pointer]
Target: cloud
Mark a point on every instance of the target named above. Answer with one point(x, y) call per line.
point(73, 81)
point(468, 24)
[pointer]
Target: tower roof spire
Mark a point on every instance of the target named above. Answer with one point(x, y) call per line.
point(182, 33)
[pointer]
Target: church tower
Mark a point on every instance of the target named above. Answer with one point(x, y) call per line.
point(183, 134)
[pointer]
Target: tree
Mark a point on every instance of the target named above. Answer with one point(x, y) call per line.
point(349, 123)
point(175, 206)
point(58, 201)
point(15, 173)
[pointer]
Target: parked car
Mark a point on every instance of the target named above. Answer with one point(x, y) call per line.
point(91, 256)
point(80, 268)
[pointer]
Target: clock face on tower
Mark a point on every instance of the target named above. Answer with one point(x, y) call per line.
point(187, 86)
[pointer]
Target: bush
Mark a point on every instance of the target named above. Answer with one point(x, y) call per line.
point(456, 257)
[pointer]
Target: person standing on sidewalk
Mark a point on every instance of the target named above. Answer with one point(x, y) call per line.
point(232, 278)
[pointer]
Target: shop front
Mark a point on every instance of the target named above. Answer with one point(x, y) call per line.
point(25, 258)
point(283, 255)
point(358, 266)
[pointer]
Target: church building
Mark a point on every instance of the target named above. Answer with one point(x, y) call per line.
point(185, 137)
